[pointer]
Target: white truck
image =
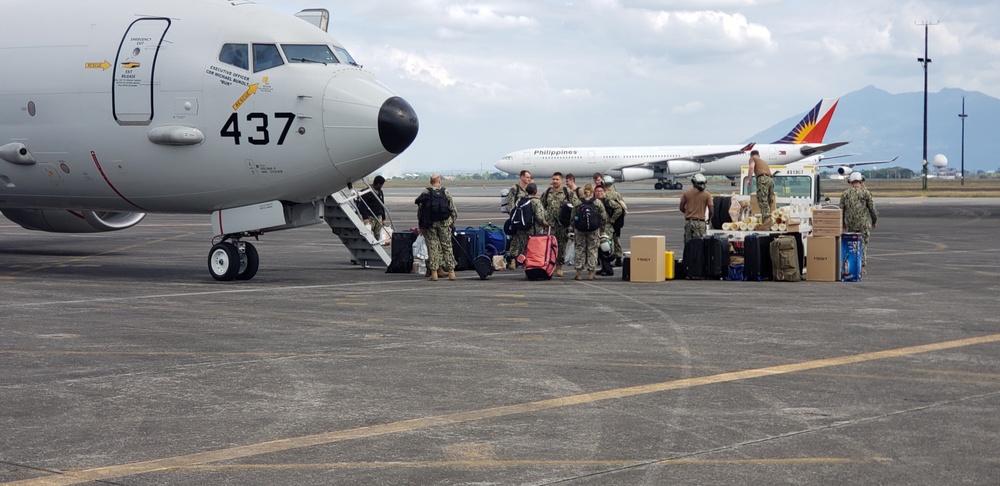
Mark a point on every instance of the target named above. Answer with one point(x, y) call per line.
point(796, 187)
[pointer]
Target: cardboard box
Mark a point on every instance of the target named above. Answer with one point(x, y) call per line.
point(826, 232)
point(648, 255)
point(827, 223)
point(827, 217)
point(823, 259)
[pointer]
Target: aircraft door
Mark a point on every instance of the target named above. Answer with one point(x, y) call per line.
point(591, 157)
point(132, 92)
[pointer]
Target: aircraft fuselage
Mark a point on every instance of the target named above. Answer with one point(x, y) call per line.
point(126, 105)
point(625, 163)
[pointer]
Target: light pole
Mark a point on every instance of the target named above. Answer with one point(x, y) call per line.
point(925, 61)
point(963, 116)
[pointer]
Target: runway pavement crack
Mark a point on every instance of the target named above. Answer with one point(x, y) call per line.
point(833, 426)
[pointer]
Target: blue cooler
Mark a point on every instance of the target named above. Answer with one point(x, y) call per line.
point(851, 249)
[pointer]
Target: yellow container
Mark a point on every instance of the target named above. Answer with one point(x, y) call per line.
point(669, 265)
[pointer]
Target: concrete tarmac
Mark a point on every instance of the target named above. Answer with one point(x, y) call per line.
point(125, 363)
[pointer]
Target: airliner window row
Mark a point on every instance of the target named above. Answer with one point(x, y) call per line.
point(267, 56)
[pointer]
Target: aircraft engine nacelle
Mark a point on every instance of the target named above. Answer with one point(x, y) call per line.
point(636, 174)
point(683, 167)
point(63, 221)
point(844, 170)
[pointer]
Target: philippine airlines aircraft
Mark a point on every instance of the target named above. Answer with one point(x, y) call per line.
point(111, 109)
point(667, 163)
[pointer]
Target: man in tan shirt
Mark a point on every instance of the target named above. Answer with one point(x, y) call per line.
point(694, 202)
point(765, 186)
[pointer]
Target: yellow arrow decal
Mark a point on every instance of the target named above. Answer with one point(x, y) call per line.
point(250, 91)
point(130, 65)
point(103, 66)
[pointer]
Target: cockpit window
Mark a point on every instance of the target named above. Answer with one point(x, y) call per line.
point(345, 56)
point(235, 55)
point(266, 56)
point(319, 54)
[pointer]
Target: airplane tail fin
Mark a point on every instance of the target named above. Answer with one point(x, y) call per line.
point(813, 127)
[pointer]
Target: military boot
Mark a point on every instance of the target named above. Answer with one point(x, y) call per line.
point(442, 273)
point(559, 272)
point(512, 265)
point(451, 274)
point(434, 276)
point(593, 275)
point(579, 275)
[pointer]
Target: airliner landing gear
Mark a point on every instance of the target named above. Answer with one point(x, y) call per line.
point(667, 184)
point(233, 260)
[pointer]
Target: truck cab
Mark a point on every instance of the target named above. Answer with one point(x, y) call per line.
point(790, 181)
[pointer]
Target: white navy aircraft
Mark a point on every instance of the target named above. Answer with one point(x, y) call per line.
point(668, 163)
point(111, 109)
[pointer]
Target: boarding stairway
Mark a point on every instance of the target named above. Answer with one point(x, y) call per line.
point(341, 213)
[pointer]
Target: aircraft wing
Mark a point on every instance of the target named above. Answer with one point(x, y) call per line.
point(808, 151)
point(699, 158)
point(852, 164)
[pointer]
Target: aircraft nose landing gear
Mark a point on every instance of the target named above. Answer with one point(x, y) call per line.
point(234, 260)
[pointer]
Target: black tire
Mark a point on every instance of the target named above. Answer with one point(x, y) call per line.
point(249, 262)
point(224, 261)
point(658, 186)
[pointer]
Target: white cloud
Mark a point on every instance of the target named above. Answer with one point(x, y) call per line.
point(689, 108)
point(484, 17)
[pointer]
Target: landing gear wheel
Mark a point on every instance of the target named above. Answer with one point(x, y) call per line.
point(677, 185)
point(224, 261)
point(249, 262)
point(658, 186)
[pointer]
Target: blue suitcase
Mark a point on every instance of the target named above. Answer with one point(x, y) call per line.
point(851, 250)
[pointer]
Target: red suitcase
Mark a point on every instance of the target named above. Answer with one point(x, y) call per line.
point(540, 257)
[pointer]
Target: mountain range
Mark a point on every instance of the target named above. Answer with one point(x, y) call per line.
point(881, 125)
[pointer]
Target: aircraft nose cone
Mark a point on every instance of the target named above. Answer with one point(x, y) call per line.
point(397, 125)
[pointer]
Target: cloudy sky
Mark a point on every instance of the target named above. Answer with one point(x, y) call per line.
point(487, 78)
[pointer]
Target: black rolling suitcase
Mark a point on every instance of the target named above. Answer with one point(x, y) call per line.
point(757, 257)
point(462, 249)
point(627, 269)
point(716, 257)
point(694, 259)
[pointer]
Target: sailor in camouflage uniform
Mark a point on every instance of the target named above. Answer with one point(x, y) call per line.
point(616, 234)
point(613, 209)
point(554, 198)
point(587, 241)
point(765, 186)
point(860, 215)
point(519, 240)
point(438, 233)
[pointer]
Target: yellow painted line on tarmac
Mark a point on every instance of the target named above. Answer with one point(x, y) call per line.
point(240, 452)
point(766, 462)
